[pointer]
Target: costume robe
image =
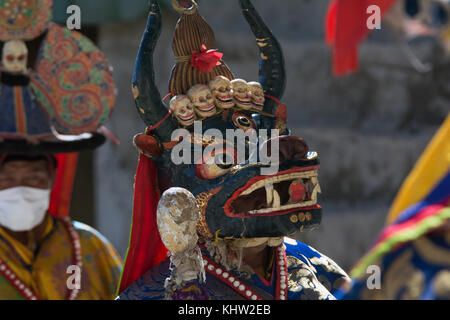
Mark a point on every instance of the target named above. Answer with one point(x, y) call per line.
point(311, 275)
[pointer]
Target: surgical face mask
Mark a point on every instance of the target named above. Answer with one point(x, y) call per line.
point(23, 208)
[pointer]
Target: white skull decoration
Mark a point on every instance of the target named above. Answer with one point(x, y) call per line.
point(221, 90)
point(15, 56)
point(203, 100)
point(183, 109)
point(257, 95)
point(241, 94)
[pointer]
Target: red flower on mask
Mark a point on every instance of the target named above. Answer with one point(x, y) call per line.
point(205, 60)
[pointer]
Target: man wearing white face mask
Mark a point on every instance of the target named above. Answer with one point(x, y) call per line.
point(56, 93)
point(42, 257)
point(24, 196)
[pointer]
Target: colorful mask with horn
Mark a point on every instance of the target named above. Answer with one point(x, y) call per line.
point(236, 201)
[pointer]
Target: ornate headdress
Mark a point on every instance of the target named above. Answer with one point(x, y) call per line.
point(193, 46)
point(56, 91)
point(56, 87)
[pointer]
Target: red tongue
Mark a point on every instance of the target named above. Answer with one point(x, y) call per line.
point(297, 191)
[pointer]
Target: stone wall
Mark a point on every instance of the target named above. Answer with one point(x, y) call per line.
point(369, 128)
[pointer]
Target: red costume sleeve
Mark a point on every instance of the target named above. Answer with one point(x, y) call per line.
point(146, 248)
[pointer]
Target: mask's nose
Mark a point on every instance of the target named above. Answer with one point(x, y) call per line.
point(289, 148)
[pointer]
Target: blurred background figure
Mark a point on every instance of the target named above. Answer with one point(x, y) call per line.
point(349, 22)
point(412, 253)
point(411, 257)
point(369, 126)
point(56, 92)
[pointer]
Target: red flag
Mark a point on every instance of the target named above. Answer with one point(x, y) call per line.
point(346, 27)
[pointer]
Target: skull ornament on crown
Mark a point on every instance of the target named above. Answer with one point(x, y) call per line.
point(257, 95)
point(203, 100)
point(183, 109)
point(221, 89)
point(241, 94)
point(15, 56)
point(46, 92)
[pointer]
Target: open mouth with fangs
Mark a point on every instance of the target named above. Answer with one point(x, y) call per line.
point(291, 190)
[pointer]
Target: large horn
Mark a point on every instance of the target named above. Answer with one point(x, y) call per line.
point(272, 74)
point(146, 94)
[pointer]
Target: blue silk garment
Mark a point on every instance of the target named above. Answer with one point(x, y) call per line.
point(312, 276)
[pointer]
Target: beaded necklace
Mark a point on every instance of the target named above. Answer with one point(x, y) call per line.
point(232, 281)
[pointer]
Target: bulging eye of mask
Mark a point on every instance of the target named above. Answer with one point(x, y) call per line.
point(23, 208)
